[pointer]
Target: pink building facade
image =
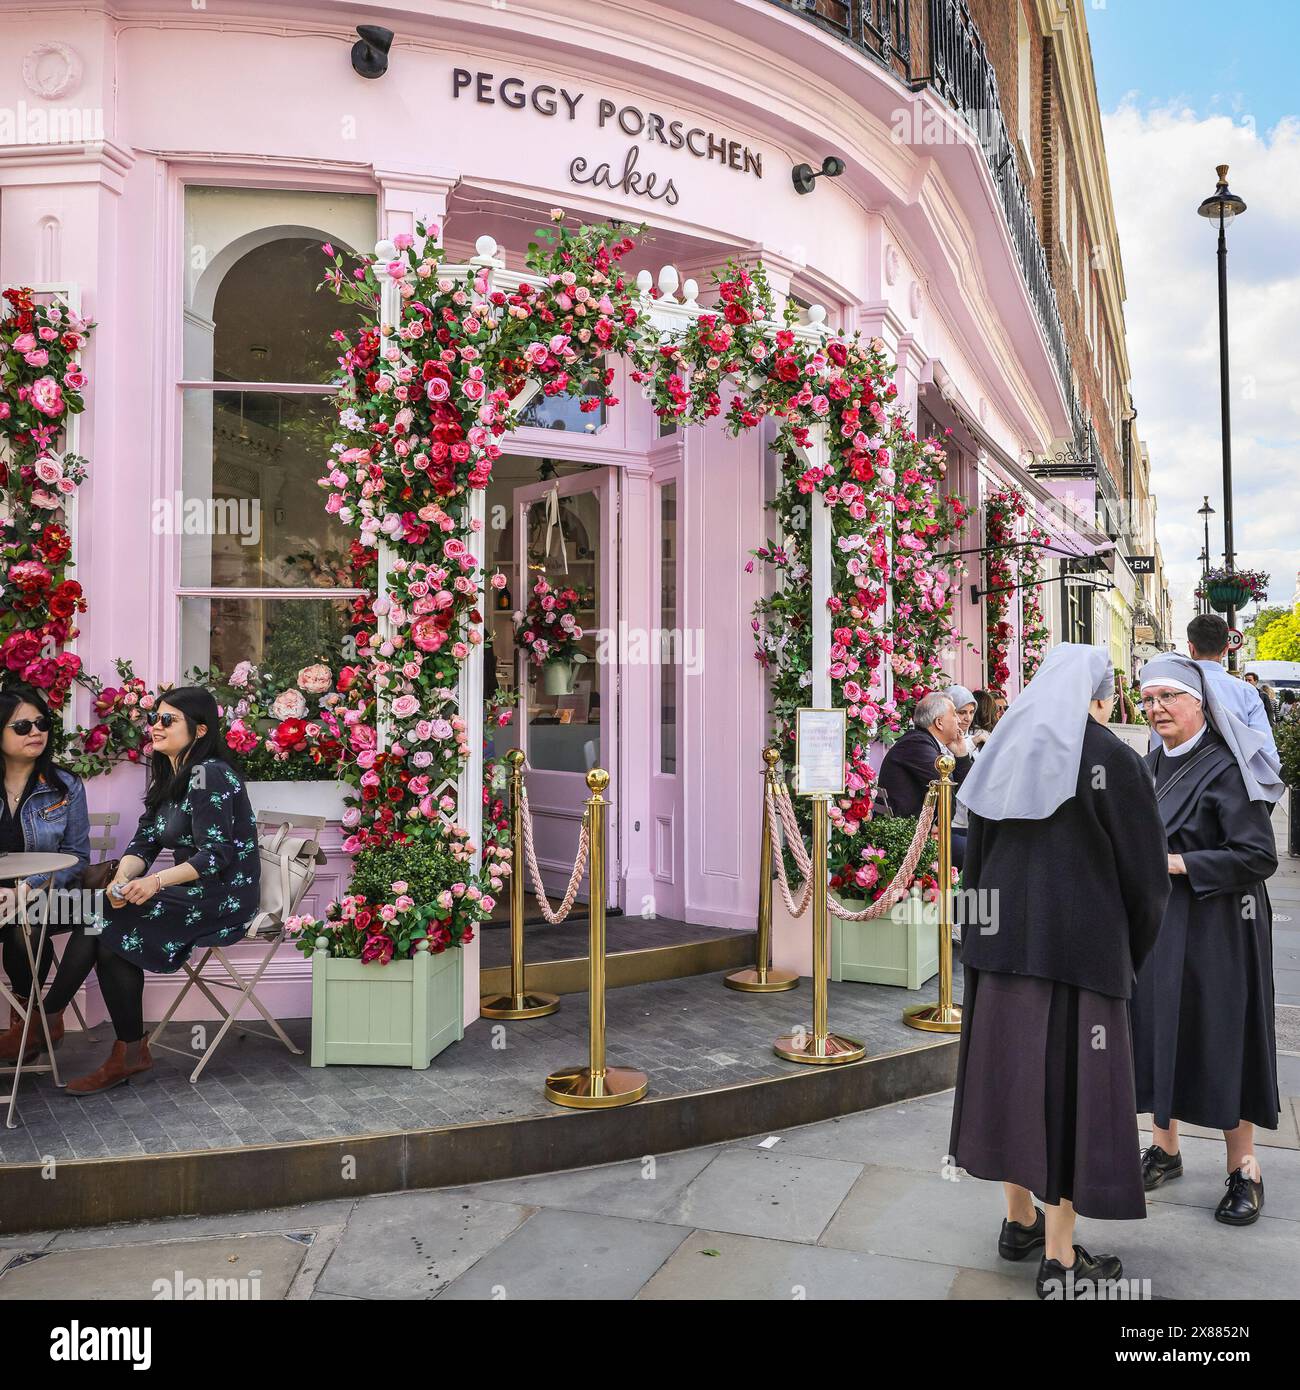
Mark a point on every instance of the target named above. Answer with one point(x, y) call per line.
point(178, 169)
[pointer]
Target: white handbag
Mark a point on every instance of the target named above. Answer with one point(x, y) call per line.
point(290, 852)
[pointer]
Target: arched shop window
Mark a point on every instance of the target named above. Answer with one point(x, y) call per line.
point(263, 570)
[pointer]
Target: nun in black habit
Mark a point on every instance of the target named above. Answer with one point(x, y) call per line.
point(1202, 1012)
point(1063, 891)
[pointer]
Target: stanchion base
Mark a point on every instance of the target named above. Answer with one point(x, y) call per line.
point(934, 1018)
point(531, 1004)
point(770, 982)
point(827, 1051)
point(582, 1089)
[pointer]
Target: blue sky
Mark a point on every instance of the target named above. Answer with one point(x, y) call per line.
point(1235, 59)
point(1182, 87)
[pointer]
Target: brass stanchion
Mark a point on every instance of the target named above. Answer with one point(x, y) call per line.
point(596, 1085)
point(820, 1046)
point(519, 1002)
point(762, 979)
point(945, 1016)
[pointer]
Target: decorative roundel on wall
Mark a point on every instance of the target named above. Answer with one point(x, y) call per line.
point(914, 299)
point(891, 265)
point(52, 70)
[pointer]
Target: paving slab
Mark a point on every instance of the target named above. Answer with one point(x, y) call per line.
point(923, 1216)
point(225, 1267)
point(570, 1256)
point(764, 1193)
point(719, 1265)
point(913, 1134)
point(304, 1218)
point(639, 1188)
point(412, 1245)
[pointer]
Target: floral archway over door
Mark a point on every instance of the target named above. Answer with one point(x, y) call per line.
point(861, 611)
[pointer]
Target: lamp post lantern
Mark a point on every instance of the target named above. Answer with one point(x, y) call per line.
point(1221, 207)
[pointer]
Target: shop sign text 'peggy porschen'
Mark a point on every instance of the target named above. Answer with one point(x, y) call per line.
point(649, 127)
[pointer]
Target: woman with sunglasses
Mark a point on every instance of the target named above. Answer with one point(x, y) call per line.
point(196, 807)
point(43, 811)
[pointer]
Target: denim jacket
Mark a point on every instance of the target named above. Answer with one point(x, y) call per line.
point(57, 822)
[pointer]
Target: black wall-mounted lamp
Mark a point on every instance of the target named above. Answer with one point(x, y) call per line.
point(804, 177)
point(370, 52)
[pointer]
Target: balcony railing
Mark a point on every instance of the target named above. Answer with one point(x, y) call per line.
point(956, 66)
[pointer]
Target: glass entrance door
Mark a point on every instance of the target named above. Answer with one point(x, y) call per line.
point(565, 677)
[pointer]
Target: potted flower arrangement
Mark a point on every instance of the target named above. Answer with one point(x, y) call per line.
point(549, 632)
point(902, 947)
point(286, 732)
point(387, 977)
point(1226, 588)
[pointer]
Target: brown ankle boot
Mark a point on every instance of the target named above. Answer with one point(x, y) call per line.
point(137, 1057)
point(12, 1037)
point(113, 1073)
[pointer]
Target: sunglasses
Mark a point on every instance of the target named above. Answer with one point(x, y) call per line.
point(166, 720)
point(23, 727)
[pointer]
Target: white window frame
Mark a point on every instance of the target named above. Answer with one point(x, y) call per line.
point(181, 591)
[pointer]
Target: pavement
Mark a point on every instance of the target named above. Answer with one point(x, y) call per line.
point(865, 1206)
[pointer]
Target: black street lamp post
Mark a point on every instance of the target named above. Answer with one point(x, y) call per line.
point(1221, 207)
point(1205, 512)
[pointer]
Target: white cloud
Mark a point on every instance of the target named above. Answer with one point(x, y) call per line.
point(1161, 166)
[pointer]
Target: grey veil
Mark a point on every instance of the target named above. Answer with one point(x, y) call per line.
point(1030, 765)
point(1260, 769)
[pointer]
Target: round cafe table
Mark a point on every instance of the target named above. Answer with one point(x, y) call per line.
point(21, 867)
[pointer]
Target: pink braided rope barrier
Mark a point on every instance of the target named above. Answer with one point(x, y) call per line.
point(553, 915)
point(898, 885)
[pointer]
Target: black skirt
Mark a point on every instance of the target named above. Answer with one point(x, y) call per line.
point(1045, 1094)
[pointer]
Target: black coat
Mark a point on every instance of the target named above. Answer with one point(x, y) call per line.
point(908, 769)
point(1076, 897)
point(1204, 1047)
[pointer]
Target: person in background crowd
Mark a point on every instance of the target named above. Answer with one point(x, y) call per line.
point(909, 765)
point(1266, 695)
point(1066, 857)
point(1000, 703)
point(1202, 1010)
point(197, 807)
point(963, 701)
point(1207, 641)
point(43, 812)
point(986, 717)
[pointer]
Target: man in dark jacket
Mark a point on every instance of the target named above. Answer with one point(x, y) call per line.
point(908, 768)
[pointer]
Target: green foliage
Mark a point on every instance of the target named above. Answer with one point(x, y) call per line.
point(1286, 733)
point(424, 865)
point(1281, 639)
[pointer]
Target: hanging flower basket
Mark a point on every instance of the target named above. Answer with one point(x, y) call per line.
point(1233, 588)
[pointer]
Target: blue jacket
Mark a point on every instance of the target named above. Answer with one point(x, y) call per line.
point(57, 822)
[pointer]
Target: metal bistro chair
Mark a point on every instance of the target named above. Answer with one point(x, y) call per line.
point(246, 975)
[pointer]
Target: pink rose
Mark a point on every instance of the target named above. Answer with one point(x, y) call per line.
point(289, 704)
point(47, 396)
point(405, 706)
point(315, 680)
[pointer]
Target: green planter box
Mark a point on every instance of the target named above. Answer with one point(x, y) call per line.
point(900, 948)
point(397, 1015)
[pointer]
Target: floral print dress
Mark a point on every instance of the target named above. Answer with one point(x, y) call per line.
point(211, 827)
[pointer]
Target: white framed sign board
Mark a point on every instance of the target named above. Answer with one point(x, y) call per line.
point(820, 737)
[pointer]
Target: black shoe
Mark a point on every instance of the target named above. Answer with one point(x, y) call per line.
point(1055, 1281)
point(1159, 1167)
point(1017, 1240)
point(1243, 1201)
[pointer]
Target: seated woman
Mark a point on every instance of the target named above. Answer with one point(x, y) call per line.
point(43, 812)
point(195, 806)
